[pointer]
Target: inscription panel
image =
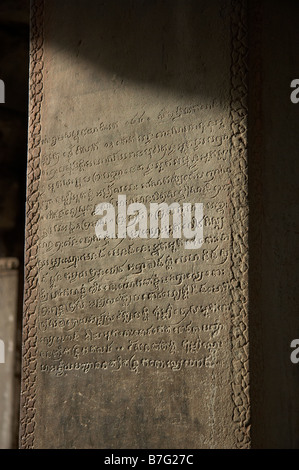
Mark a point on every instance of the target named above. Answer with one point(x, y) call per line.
point(138, 339)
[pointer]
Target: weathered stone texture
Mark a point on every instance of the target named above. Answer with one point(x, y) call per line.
point(136, 343)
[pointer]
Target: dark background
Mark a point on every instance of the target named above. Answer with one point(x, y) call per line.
point(273, 198)
point(14, 65)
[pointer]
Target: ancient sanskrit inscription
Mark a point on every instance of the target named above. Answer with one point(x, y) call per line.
point(108, 304)
point(134, 329)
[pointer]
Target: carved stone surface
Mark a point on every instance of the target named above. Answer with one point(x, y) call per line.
point(136, 343)
point(8, 314)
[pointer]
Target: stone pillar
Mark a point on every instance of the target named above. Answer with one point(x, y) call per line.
point(136, 340)
point(8, 319)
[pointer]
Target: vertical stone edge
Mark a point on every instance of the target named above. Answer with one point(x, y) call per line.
point(239, 226)
point(29, 334)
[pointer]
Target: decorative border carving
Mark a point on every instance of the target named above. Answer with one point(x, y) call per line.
point(239, 226)
point(29, 352)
